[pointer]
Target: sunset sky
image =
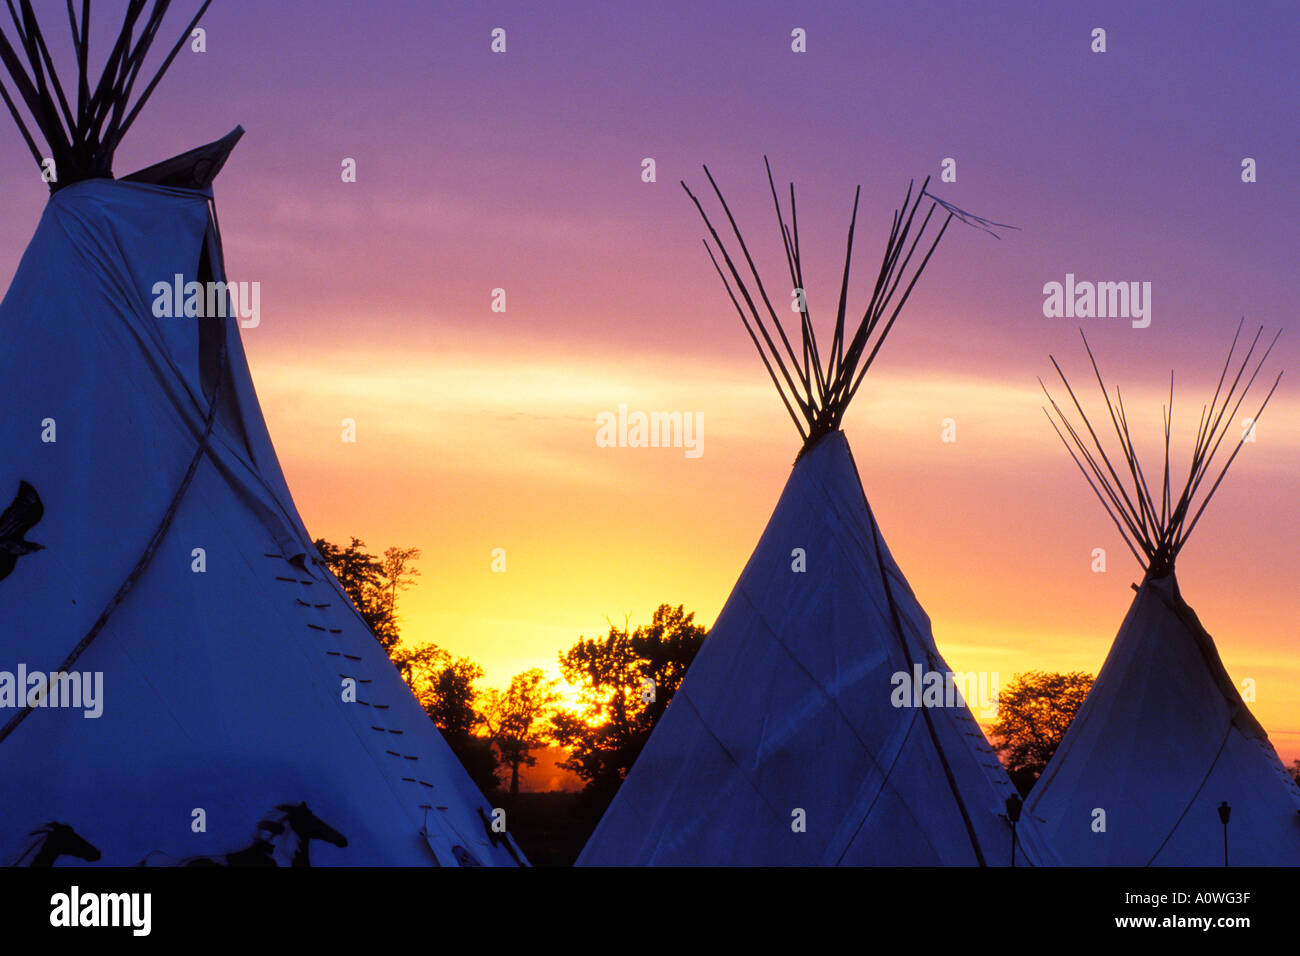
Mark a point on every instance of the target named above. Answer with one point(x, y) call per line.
point(522, 171)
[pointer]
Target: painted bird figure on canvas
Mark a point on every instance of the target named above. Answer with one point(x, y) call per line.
point(19, 518)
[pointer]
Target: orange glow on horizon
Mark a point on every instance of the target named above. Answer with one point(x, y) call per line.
point(461, 452)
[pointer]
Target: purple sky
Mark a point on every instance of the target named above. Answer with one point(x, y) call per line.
point(1117, 165)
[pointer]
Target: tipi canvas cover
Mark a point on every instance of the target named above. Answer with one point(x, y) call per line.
point(787, 715)
point(1161, 742)
point(1164, 741)
point(235, 695)
point(792, 740)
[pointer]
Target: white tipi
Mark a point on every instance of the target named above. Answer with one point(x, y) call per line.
point(220, 697)
point(786, 743)
point(1163, 765)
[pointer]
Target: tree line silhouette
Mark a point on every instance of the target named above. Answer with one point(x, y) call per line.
point(622, 683)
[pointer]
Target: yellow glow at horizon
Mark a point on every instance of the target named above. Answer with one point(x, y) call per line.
point(461, 452)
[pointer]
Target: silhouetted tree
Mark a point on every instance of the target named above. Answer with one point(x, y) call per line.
point(666, 648)
point(449, 696)
point(516, 720)
point(1034, 711)
point(445, 687)
point(1294, 770)
point(624, 682)
point(418, 664)
point(362, 576)
point(398, 574)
